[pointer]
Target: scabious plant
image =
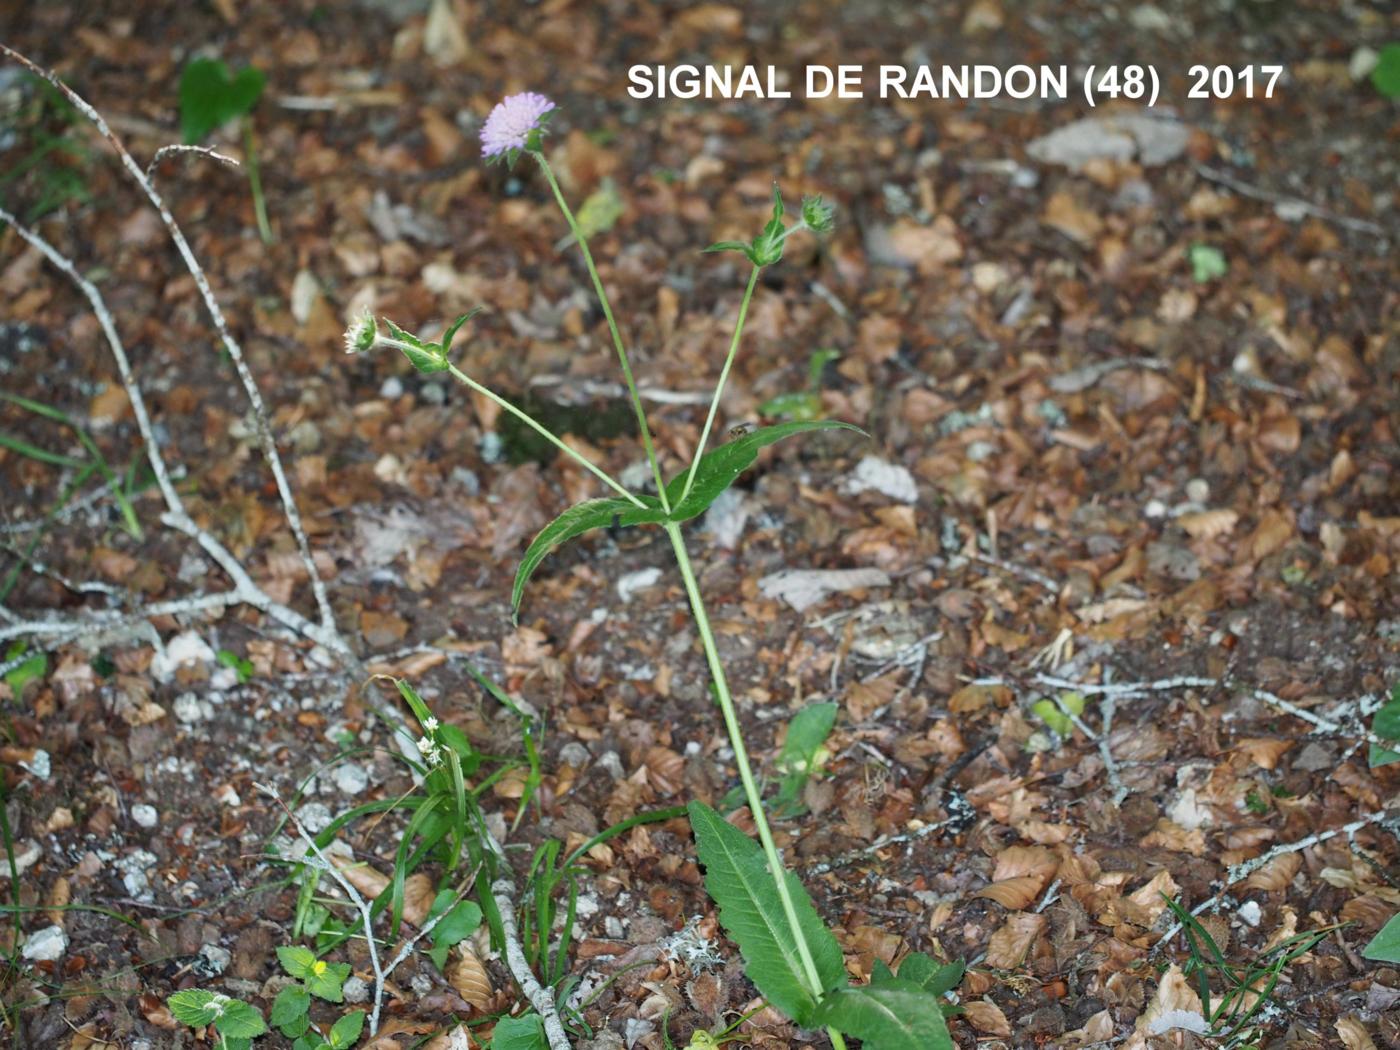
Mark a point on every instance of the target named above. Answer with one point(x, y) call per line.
point(792, 957)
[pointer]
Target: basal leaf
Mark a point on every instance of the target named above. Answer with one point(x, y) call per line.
point(1386, 725)
point(1385, 946)
point(737, 877)
point(806, 733)
point(578, 519)
point(892, 1015)
point(210, 97)
point(719, 468)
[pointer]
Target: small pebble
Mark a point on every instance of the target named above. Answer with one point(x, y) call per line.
point(355, 989)
point(575, 754)
point(1198, 490)
point(315, 817)
point(351, 779)
point(421, 984)
point(46, 945)
point(392, 388)
point(145, 815)
point(188, 709)
point(212, 960)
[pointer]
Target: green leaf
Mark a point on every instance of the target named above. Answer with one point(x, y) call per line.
point(197, 1007)
point(1386, 725)
point(1385, 77)
point(345, 1031)
point(738, 879)
point(461, 922)
point(806, 733)
point(728, 246)
point(289, 1010)
point(918, 969)
point(519, 1033)
point(210, 97)
point(1207, 263)
point(452, 331)
point(892, 1015)
point(720, 467)
point(578, 519)
point(239, 1020)
point(598, 213)
point(326, 982)
point(1385, 946)
point(310, 1041)
point(296, 960)
point(32, 669)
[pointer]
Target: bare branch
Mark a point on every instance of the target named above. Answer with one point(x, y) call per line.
point(266, 441)
point(166, 151)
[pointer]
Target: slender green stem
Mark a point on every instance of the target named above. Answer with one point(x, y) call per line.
point(741, 759)
point(536, 426)
point(719, 387)
point(612, 328)
point(250, 148)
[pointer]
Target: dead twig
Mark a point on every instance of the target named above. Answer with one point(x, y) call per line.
point(1295, 204)
point(266, 441)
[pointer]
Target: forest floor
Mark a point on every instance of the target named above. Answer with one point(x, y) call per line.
point(1098, 456)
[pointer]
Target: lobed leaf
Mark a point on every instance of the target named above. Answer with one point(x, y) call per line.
point(738, 879)
point(210, 97)
point(578, 519)
point(891, 1015)
point(720, 468)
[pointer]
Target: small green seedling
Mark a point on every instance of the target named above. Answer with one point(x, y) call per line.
point(708, 1039)
point(28, 666)
point(240, 665)
point(1058, 715)
point(1385, 77)
point(1207, 263)
point(291, 1010)
point(803, 404)
point(57, 160)
point(236, 1022)
point(803, 755)
point(211, 97)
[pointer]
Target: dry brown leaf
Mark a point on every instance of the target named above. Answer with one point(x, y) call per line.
point(1014, 894)
point(985, 1016)
point(1064, 213)
point(665, 770)
point(1264, 751)
point(360, 875)
point(418, 894)
point(1208, 524)
point(1152, 895)
point(1015, 861)
point(60, 893)
point(1098, 1029)
point(1276, 874)
point(1353, 1034)
point(1176, 1005)
point(469, 977)
point(1007, 948)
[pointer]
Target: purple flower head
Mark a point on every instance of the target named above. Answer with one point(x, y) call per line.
point(514, 125)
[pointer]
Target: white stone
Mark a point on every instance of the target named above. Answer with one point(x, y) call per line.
point(630, 583)
point(145, 815)
point(1250, 913)
point(355, 989)
point(315, 817)
point(40, 765)
point(1153, 139)
point(215, 959)
point(185, 648)
point(188, 709)
point(351, 779)
point(391, 389)
point(1363, 61)
point(802, 588)
point(46, 945)
point(888, 479)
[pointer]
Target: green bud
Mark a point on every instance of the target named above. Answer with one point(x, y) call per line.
point(817, 215)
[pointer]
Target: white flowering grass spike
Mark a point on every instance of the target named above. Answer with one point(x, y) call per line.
point(515, 125)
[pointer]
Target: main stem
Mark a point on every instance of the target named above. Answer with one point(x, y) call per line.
point(741, 759)
point(719, 387)
point(612, 327)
